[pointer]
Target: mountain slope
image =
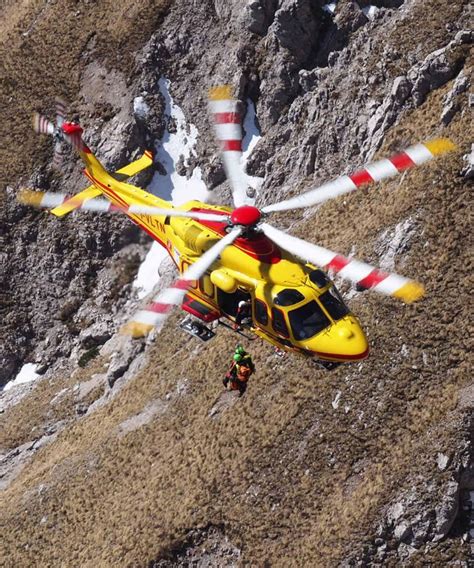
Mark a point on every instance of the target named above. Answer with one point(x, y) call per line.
point(309, 468)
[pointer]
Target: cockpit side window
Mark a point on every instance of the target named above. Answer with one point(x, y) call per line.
point(332, 301)
point(279, 323)
point(307, 320)
point(261, 314)
point(288, 297)
point(319, 278)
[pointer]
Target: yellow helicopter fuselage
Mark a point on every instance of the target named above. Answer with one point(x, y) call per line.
point(295, 306)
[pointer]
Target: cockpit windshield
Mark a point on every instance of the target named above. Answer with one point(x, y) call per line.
point(333, 303)
point(307, 320)
point(319, 278)
point(288, 297)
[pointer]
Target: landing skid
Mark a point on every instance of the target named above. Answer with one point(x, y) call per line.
point(239, 331)
point(197, 329)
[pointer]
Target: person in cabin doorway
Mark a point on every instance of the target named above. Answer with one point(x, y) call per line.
point(244, 314)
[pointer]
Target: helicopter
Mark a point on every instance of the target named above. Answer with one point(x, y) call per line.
point(226, 255)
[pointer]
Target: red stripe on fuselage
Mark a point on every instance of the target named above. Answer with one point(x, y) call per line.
point(341, 357)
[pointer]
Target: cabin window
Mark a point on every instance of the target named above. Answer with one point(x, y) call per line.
point(332, 301)
point(288, 297)
point(261, 314)
point(307, 320)
point(319, 278)
point(206, 286)
point(279, 323)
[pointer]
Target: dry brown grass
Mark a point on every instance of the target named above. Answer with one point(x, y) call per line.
point(423, 26)
point(28, 421)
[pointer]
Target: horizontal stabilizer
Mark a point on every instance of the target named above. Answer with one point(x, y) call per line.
point(135, 167)
point(76, 201)
point(145, 161)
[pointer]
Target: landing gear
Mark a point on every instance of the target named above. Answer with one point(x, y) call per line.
point(196, 329)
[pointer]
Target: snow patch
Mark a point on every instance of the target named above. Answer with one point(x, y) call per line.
point(370, 11)
point(173, 147)
point(330, 8)
point(27, 374)
point(442, 461)
point(147, 275)
point(249, 141)
point(140, 108)
point(337, 398)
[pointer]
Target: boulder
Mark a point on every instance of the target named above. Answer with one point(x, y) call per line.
point(468, 170)
point(96, 334)
point(451, 102)
point(447, 510)
point(258, 15)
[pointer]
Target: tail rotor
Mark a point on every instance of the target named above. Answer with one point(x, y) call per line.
point(42, 125)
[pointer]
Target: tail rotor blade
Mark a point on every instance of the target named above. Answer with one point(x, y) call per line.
point(61, 107)
point(383, 169)
point(160, 307)
point(42, 125)
point(357, 272)
point(228, 129)
point(58, 154)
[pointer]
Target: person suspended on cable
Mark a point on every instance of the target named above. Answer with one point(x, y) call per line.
point(239, 371)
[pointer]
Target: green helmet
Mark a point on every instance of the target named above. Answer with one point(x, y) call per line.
point(237, 357)
point(240, 350)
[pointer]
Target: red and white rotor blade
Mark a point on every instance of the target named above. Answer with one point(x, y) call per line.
point(357, 272)
point(58, 154)
point(383, 169)
point(159, 309)
point(49, 200)
point(42, 125)
point(228, 129)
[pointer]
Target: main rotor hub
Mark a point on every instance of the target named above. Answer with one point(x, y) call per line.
point(246, 216)
point(70, 128)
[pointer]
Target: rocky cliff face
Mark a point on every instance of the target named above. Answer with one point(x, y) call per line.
point(120, 453)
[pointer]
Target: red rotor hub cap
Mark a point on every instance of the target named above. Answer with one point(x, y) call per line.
point(70, 128)
point(247, 215)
